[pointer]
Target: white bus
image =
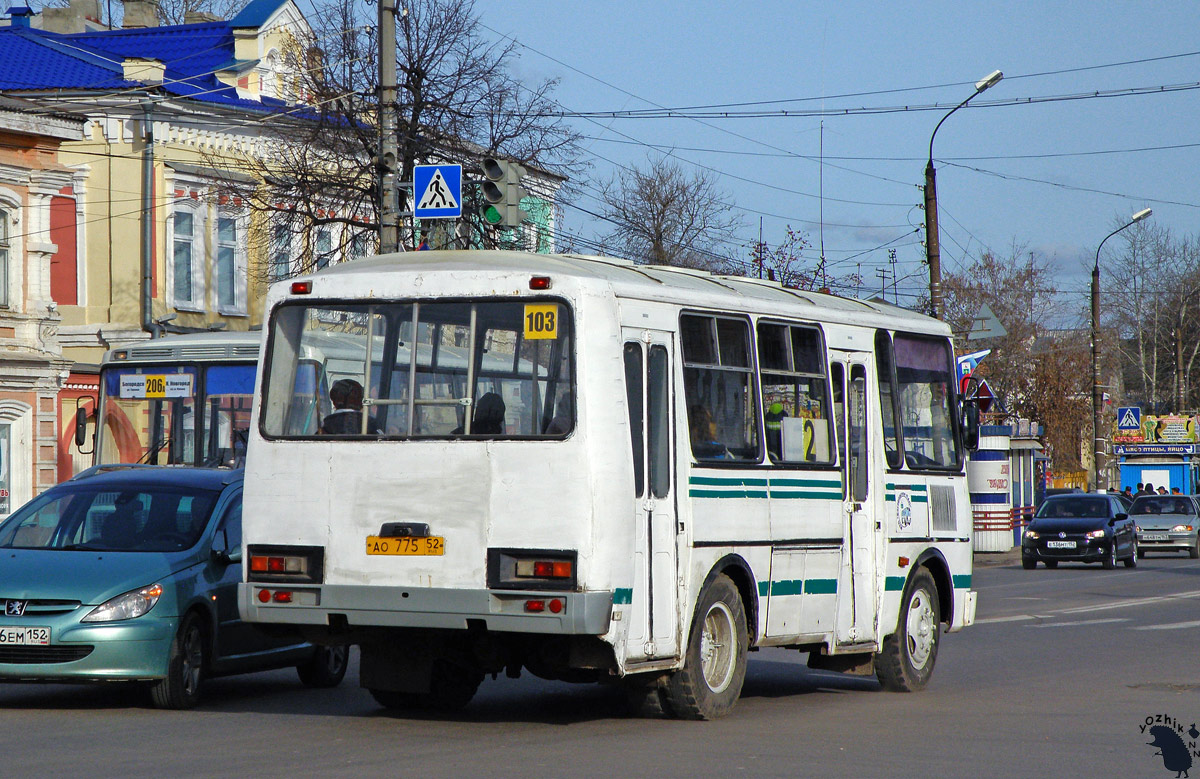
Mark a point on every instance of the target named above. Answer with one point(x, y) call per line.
point(594, 470)
point(178, 400)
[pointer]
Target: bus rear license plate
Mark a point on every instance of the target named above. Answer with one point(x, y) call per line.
point(406, 545)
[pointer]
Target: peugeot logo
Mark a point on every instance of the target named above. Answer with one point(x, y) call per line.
point(1062, 535)
point(14, 608)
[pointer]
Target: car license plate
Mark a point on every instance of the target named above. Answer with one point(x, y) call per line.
point(1155, 537)
point(25, 636)
point(1060, 544)
point(406, 545)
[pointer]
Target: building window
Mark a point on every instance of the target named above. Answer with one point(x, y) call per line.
point(281, 253)
point(322, 248)
point(184, 255)
point(4, 255)
point(360, 245)
point(226, 262)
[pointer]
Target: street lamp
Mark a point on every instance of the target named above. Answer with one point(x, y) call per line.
point(1097, 393)
point(933, 252)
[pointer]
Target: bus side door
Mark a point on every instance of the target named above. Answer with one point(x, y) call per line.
point(654, 628)
point(861, 477)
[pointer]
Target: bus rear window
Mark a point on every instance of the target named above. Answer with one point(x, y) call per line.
point(463, 369)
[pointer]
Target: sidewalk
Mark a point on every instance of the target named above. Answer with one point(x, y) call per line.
point(989, 559)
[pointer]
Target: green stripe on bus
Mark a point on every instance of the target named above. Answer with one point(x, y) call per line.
point(622, 595)
point(715, 481)
point(893, 584)
point(729, 494)
point(806, 495)
point(831, 483)
point(891, 498)
point(962, 581)
point(913, 487)
point(787, 587)
point(820, 586)
point(763, 589)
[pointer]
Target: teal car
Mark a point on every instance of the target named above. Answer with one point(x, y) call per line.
point(130, 573)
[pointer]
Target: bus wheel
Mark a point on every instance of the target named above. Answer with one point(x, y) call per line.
point(451, 688)
point(646, 697)
point(714, 665)
point(326, 668)
point(908, 655)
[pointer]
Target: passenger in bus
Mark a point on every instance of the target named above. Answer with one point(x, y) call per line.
point(704, 435)
point(774, 414)
point(561, 423)
point(346, 417)
point(489, 415)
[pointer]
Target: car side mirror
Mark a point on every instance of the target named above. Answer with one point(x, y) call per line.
point(227, 558)
point(81, 421)
point(1120, 517)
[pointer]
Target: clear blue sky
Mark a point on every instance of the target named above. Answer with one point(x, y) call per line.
point(1041, 179)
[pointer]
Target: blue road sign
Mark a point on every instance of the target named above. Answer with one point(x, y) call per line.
point(437, 190)
point(1129, 418)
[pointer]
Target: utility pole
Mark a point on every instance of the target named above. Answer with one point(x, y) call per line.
point(389, 196)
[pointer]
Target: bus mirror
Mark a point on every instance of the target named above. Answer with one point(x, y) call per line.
point(970, 424)
point(81, 423)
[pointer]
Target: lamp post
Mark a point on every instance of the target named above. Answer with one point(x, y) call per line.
point(1097, 393)
point(933, 252)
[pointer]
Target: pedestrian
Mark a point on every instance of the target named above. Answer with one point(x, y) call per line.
point(1162, 490)
point(1141, 490)
point(1149, 489)
point(1176, 491)
point(1128, 492)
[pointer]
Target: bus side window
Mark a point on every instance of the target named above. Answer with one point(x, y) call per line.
point(633, 395)
point(837, 380)
point(887, 398)
point(719, 388)
point(794, 394)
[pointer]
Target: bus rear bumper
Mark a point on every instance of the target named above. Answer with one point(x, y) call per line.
point(562, 613)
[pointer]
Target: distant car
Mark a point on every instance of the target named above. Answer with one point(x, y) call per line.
point(1083, 527)
point(1166, 523)
point(130, 573)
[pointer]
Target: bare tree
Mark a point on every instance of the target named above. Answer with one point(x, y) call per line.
point(457, 103)
point(785, 262)
point(665, 216)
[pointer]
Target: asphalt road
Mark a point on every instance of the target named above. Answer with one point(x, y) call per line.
point(1056, 679)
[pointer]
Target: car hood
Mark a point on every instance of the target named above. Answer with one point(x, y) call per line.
point(1167, 521)
point(88, 577)
point(1067, 524)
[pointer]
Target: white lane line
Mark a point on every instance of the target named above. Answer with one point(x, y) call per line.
point(1126, 603)
point(1077, 623)
point(1172, 626)
point(993, 620)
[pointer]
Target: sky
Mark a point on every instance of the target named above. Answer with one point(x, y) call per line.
point(1020, 166)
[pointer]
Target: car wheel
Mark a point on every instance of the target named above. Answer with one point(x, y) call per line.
point(1131, 561)
point(180, 689)
point(1029, 563)
point(1110, 560)
point(909, 654)
point(714, 664)
point(326, 667)
point(1194, 551)
point(1050, 563)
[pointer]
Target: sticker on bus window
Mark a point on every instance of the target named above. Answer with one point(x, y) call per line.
point(541, 321)
point(147, 385)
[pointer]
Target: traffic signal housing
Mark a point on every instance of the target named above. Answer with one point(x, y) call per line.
point(503, 192)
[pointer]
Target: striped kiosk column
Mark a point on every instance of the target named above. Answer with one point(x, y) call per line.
point(989, 481)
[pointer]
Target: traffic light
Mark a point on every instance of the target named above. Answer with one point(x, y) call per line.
point(503, 192)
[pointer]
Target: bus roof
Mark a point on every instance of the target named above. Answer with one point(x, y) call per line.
point(682, 286)
point(237, 345)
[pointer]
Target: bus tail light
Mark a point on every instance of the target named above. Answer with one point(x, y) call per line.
point(532, 569)
point(286, 564)
point(301, 287)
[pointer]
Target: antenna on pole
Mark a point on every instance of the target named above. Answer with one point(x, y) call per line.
point(821, 192)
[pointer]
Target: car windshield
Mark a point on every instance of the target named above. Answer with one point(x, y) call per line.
point(1073, 506)
point(1163, 504)
point(93, 518)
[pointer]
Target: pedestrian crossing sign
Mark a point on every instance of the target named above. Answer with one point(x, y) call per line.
point(1129, 418)
point(437, 190)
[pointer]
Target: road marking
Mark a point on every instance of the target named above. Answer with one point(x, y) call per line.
point(993, 620)
point(1172, 626)
point(1126, 603)
point(1077, 623)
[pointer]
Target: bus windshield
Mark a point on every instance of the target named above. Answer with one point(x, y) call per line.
point(495, 369)
point(175, 414)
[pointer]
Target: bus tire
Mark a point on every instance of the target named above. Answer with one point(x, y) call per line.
point(451, 688)
point(714, 664)
point(646, 698)
point(909, 654)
